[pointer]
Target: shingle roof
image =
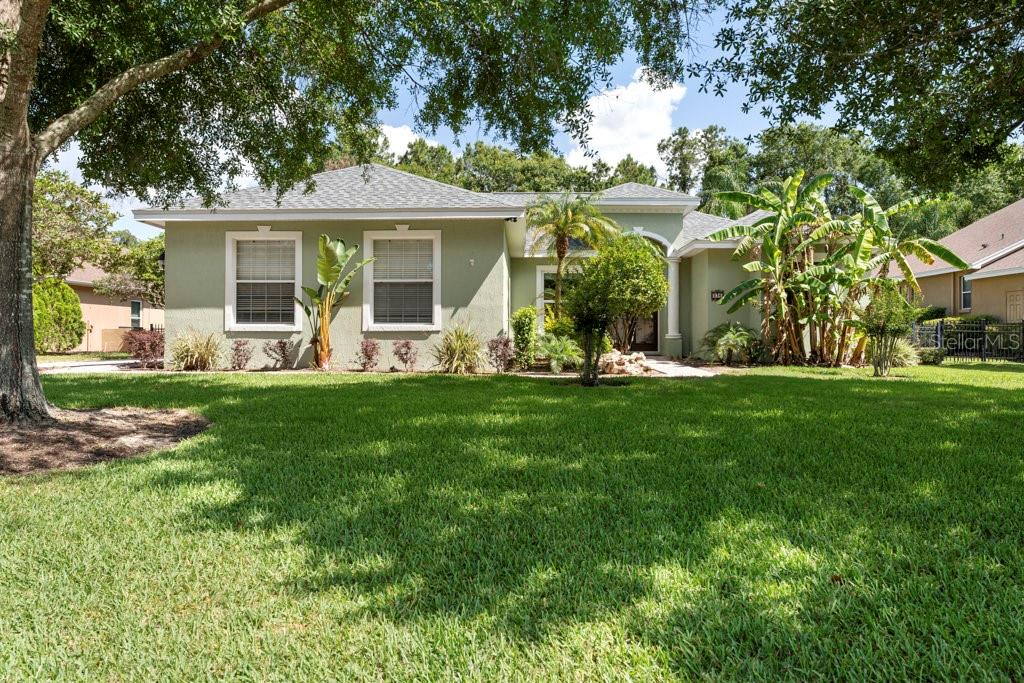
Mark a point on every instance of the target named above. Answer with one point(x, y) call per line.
point(698, 225)
point(640, 191)
point(1015, 259)
point(372, 187)
point(752, 217)
point(626, 191)
point(979, 242)
point(86, 275)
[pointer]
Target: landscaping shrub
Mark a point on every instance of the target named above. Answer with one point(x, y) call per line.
point(904, 354)
point(405, 352)
point(730, 342)
point(194, 351)
point(500, 352)
point(458, 352)
point(558, 325)
point(524, 336)
point(887, 321)
point(56, 317)
point(369, 354)
point(146, 346)
point(241, 353)
point(930, 313)
point(931, 355)
point(981, 318)
point(279, 351)
point(560, 352)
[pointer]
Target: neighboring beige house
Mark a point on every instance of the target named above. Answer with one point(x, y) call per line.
point(107, 319)
point(444, 255)
point(994, 284)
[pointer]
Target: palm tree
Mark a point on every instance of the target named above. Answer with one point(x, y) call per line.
point(555, 222)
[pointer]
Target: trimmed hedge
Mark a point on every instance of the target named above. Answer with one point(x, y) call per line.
point(56, 317)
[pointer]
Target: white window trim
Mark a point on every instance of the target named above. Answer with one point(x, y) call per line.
point(368, 238)
point(963, 281)
point(230, 257)
point(539, 291)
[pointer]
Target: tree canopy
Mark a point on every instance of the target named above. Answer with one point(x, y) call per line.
point(716, 162)
point(267, 84)
point(936, 83)
point(70, 227)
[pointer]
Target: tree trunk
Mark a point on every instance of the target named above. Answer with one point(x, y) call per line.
point(21, 394)
point(561, 251)
point(591, 359)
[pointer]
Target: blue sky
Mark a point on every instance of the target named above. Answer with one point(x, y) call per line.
point(629, 118)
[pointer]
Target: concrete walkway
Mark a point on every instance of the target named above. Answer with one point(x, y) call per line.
point(89, 366)
point(671, 368)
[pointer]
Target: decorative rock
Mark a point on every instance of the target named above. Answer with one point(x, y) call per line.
point(617, 363)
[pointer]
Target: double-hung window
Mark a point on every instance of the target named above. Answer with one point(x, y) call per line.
point(263, 278)
point(402, 284)
point(965, 294)
point(136, 314)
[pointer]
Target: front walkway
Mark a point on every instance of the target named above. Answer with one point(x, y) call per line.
point(671, 368)
point(90, 366)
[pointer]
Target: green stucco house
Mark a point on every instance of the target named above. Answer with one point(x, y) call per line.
point(442, 255)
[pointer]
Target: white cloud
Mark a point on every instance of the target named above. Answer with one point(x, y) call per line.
point(630, 119)
point(399, 137)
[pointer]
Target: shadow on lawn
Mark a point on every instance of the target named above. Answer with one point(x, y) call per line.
point(745, 525)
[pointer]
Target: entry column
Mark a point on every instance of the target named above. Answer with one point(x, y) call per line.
point(673, 299)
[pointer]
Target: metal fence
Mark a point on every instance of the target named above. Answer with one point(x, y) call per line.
point(975, 340)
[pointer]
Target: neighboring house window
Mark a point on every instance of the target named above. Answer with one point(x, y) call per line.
point(136, 314)
point(263, 277)
point(965, 294)
point(545, 292)
point(402, 283)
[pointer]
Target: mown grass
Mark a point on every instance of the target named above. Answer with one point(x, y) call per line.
point(772, 524)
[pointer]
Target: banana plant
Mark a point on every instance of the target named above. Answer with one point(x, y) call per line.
point(782, 254)
point(895, 248)
point(333, 281)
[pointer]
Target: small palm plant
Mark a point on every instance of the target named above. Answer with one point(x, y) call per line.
point(558, 221)
point(332, 287)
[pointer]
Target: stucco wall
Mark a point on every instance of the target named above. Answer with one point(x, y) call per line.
point(989, 295)
point(473, 283)
point(710, 270)
point(101, 313)
point(940, 290)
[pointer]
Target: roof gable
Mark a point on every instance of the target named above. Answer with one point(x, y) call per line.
point(641, 191)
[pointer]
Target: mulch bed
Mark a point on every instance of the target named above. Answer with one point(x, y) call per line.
point(76, 438)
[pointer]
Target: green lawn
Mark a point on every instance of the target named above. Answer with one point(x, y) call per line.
point(80, 356)
point(772, 524)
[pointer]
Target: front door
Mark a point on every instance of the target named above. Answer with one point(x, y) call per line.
point(646, 337)
point(1015, 306)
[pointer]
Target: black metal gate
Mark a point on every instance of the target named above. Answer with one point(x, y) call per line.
point(973, 340)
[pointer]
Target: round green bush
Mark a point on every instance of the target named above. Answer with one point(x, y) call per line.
point(56, 317)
